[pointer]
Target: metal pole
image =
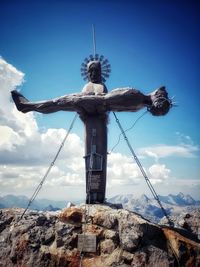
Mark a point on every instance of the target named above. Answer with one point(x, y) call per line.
point(94, 40)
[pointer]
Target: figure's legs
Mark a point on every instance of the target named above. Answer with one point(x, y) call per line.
point(24, 105)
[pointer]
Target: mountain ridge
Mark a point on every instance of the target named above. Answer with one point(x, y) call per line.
point(150, 209)
point(144, 205)
point(21, 201)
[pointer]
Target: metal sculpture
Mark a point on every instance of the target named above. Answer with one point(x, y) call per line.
point(93, 105)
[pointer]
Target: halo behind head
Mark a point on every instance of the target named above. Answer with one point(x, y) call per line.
point(104, 63)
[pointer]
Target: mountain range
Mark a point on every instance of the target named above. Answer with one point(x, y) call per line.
point(12, 201)
point(150, 209)
point(145, 206)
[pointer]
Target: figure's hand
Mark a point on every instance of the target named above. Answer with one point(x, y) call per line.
point(161, 104)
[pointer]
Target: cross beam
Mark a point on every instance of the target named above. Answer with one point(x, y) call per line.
point(123, 99)
point(93, 110)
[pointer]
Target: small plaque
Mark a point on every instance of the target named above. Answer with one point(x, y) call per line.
point(87, 243)
point(95, 182)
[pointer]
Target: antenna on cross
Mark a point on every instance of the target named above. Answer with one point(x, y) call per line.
point(94, 40)
point(105, 65)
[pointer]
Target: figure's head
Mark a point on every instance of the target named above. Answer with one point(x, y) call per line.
point(94, 71)
point(161, 103)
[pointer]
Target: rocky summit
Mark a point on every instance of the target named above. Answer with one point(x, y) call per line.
point(122, 238)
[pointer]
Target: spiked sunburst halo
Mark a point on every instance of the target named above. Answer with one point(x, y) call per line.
point(105, 66)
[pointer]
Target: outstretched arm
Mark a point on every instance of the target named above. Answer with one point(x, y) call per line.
point(124, 99)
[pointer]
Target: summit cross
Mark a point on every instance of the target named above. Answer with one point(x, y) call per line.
point(93, 105)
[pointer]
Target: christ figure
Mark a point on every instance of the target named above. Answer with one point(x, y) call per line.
point(93, 105)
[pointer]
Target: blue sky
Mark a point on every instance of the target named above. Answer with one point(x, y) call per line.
point(148, 43)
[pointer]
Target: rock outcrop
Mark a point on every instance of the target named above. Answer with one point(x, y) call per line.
point(123, 238)
point(189, 221)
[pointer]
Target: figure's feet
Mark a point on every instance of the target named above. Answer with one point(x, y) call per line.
point(20, 101)
point(160, 103)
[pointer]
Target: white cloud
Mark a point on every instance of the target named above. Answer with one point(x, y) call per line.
point(184, 139)
point(162, 151)
point(122, 170)
point(25, 152)
point(10, 78)
point(9, 138)
point(158, 173)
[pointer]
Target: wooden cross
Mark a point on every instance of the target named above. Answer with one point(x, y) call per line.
point(93, 106)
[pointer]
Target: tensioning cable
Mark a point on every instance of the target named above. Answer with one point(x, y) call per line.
point(38, 188)
point(128, 129)
point(143, 171)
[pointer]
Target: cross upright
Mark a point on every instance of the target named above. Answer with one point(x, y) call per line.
point(93, 105)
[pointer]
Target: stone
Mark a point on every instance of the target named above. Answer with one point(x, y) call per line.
point(130, 231)
point(49, 237)
point(111, 234)
point(93, 229)
point(127, 257)
point(106, 219)
point(187, 221)
point(41, 220)
point(139, 259)
point(4, 223)
point(63, 229)
point(72, 215)
point(191, 222)
point(151, 256)
point(107, 246)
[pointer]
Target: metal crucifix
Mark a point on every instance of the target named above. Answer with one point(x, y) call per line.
point(93, 105)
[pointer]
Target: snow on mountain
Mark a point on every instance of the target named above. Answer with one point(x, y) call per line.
point(180, 199)
point(150, 209)
point(121, 199)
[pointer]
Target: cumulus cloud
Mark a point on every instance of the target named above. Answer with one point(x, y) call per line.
point(158, 173)
point(25, 152)
point(9, 138)
point(122, 170)
point(21, 124)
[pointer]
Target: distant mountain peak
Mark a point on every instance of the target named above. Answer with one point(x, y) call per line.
point(180, 194)
point(144, 197)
